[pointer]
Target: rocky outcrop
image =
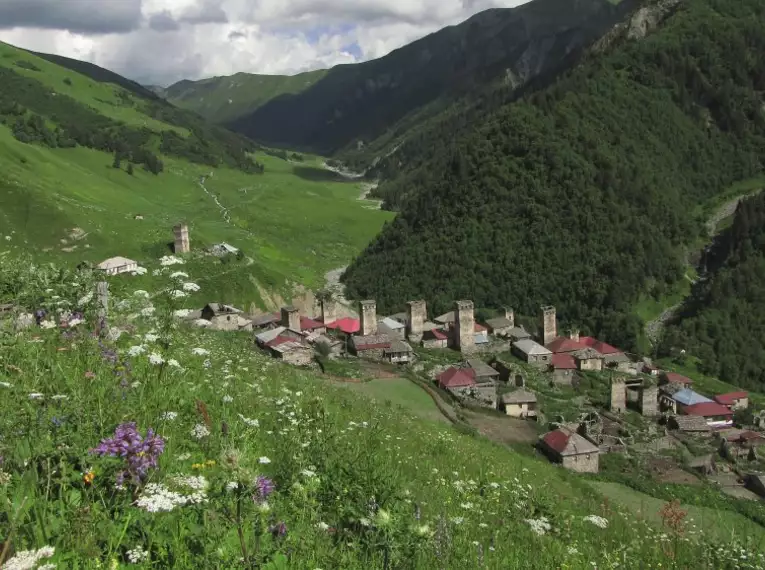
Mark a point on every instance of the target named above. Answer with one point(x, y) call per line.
point(642, 22)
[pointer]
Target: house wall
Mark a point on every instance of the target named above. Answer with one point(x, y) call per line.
point(594, 364)
point(563, 377)
point(225, 323)
point(741, 404)
point(520, 410)
point(371, 354)
point(582, 463)
point(435, 343)
point(298, 356)
point(501, 331)
point(649, 401)
point(399, 357)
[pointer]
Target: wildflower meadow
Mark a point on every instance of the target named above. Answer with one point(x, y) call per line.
point(129, 440)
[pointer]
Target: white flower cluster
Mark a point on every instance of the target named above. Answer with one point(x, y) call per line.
point(47, 324)
point(173, 363)
point(540, 526)
point(250, 422)
point(596, 520)
point(6, 385)
point(177, 294)
point(156, 359)
point(169, 416)
point(199, 431)
point(137, 555)
point(191, 287)
point(28, 559)
point(140, 271)
point(179, 275)
point(182, 313)
point(147, 312)
point(227, 399)
point(157, 498)
point(200, 351)
point(136, 350)
point(170, 260)
point(150, 337)
point(193, 482)
point(141, 293)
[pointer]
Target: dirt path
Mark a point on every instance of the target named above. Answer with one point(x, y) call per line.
point(223, 209)
point(332, 283)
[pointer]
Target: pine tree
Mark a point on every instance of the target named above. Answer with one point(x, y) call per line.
point(117, 160)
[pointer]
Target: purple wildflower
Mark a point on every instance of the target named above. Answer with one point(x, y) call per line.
point(40, 315)
point(263, 488)
point(140, 453)
point(278, 530)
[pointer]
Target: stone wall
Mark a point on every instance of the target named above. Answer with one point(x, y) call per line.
point(584, 463)
point(649, 401)
point(417, 315)
point(368, 318)
point(549, 325)
point(181, 233)
point(464, 326)
point(225, 323)
point(298, 357)
point(618, 395)
point(291, 318)
point(328, 311)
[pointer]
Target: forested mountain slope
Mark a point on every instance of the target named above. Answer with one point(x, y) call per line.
point(723, 323)
point(355, 104)
point(580, 195)
point(224, 99)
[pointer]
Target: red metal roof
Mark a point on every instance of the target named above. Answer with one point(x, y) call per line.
point(730, 398)
point(563, 361)
point(346, 325)
point(479, 328)
point(676, 378)
point(750, 435)
point(456, 377)
point(602, 347)
point(438, 334)
point(565, 344)
point(708, 409)
point(307, 324)
point(557, 440)
point(279, 340)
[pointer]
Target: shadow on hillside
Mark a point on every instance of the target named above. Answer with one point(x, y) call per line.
point(317, 174)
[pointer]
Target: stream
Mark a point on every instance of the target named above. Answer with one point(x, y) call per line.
point(226, 215)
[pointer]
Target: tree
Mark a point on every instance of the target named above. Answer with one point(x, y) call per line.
point(117, 160)
point(130, 168)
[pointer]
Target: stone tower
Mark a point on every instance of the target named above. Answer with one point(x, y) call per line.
point(415, 324)
point(464, 326)
point(291, 318)
point(328, 311)
point(368, 318)
point(181, 232)
point(573, 334)
point(618, 394)
point(510, 316)
point(549, 325)
point(649, 401)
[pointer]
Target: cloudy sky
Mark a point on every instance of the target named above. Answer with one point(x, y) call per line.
point(163, 41)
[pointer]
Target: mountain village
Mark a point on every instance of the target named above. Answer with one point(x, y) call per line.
point(675, 412)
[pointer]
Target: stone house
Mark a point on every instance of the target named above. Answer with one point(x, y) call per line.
point(462, 382)
point(292, 352)
point(446, 321)
point(563, 369)
point(222, 317)
point(371, 346)
point(117, 265)
point(482, 372)
point(734, 400)
point(520, 404)
point(508, 373)
point(689, 424)
point(715, 415)
point(501, 326)
point(674, 378)
point(336, 346)
point(755, 482)
point(392, 328)
point(518, 333)
point(399, 352)
point(588, 359)
point(571, 450)
point(266, 321)
point(532, 352)
point(481, 337)
point(223, 249)
point(435, 338)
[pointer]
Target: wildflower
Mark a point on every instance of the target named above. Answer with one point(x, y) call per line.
point(170, 260)
point(173, 363)
point(150, 337)
point(141, 293)
point(179, 275)
point(137, 555)
point(278, 530)
point(139, 270)
point(36, 396)
point(182, 313)
point(169, 416)
point(264, 460)
point(156, 359)
point(6, 385)
point(177, 294)
point(47, 324)
point(540, 526)
point(263, 489)
point(141, 454)
point(200, 351)
point(183, 457)
point(308, 473)
point(596, 520)
point(195, 483)
point(158, 498)
point(191, 287)
point(322, 526)
point(147, 312)
point(200, 431)
point(60, 397)
point(382, 518)
point(227, 399)
point(27, 559)
point(88, 477)
point(232, 485)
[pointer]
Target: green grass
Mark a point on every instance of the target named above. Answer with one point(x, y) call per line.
point(648, 308)
point(399, 393)
point(723, 525)
point(106, 98)
point(222, 99)
point(357, 484)
point(294, 227)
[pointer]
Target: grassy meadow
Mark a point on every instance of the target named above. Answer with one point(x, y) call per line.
point(224, 458)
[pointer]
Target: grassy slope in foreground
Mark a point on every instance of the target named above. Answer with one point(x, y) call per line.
point(356, 485)
point(221, 99)
point(295, 228)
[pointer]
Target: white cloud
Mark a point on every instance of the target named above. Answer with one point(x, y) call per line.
point(191, 39)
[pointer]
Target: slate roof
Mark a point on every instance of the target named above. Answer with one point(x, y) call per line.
point(519, 333)
point(690, 423)
point(688, 397)
point(371, 342)
point(268, 336)
point(456, 377)
point(730, 398)
point(266, 319)
point(521, 396)
point(221, 309)
point(499, 323)
point(568, 443)
point(397, 346)
point(392, 324)
point(446, 318)
point(587, 354)
point(480, 367)
point(707, 410)
point(528, 346)
point(115, 262)
point(671, 389)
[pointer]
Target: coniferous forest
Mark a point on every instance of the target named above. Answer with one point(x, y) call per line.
point(723, 323)
point(581, 195)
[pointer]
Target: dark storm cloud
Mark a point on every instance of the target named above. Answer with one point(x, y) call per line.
point(163, 22)
point(79, 16)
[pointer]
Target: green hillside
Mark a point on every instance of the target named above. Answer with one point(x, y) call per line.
point(225, 99)
point(721, 324)
point(352, 105)
point(274, 465)
point(62, 197)
point(584, 194)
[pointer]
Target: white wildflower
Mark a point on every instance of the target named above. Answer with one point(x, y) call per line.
point(232, 486)
point(183, 457)
point(136, 350)
point(157, 498)
point(596, 520)
point(182, 313)
point(249, 422)
point(322, 526)
point(199, 431)
point(156, 359)
point(7, 238)
point(207, 363)
point(227, 399)
point(173, 363)
point(540, 526)
point(28, 559)
point(49, 565)
point(191, 287)
point(36, 396)
point(572, 550)
point(193, 482)
point(264, 460)
point(148, 311)
point(170, 260)
point(137, 555)
point(308, 473)
point(200, 351)
point(140, 271)
point(84, 300)
point(169, 416)
point(6, 385)
point(202, 323)
point(179, 275)
point(150, 337)
point(60, 397)
point(141, 293)
point(177, 294)
point(48, 324)
point(74, 322)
